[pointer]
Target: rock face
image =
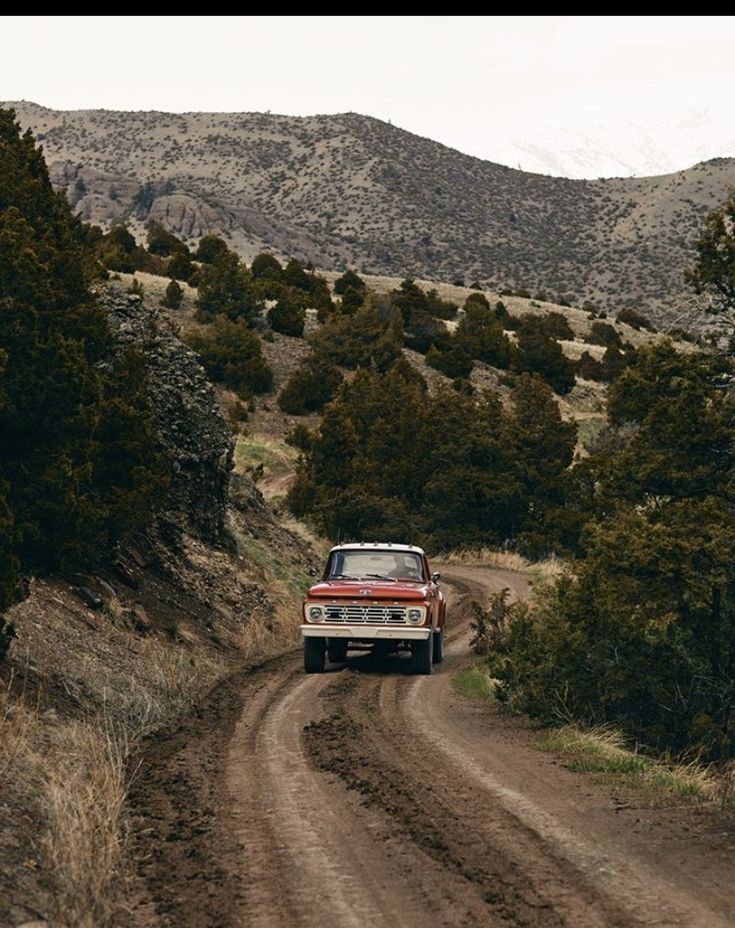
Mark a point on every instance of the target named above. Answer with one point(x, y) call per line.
point(191, 428)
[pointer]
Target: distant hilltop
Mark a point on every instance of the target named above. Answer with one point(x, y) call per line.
point(353, 191)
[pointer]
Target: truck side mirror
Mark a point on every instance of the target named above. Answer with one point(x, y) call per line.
point(313, 572)
point(435, 578)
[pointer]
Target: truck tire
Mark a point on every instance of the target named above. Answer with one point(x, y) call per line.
point(314, 649)
point(337, 650)
point(421, 655)
point(438, 655)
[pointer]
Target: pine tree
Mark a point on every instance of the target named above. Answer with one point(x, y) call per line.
point(173, 297)
point(225, 288)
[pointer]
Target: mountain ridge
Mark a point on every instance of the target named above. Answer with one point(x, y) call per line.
point(350, 190)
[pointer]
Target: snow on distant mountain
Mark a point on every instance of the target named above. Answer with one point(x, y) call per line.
point(629, 149)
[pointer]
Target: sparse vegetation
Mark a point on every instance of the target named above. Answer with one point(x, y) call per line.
point(602, 751)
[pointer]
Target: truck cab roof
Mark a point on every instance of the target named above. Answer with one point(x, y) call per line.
point(378, 546)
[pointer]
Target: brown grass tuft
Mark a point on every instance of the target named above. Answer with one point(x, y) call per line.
point(85, 783)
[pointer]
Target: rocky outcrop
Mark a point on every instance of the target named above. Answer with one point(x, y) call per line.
point(188, 216)
point(190, 425)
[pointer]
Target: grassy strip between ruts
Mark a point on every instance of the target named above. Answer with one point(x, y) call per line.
point(601, 751)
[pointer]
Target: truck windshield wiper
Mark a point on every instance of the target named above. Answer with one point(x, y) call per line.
point(380, 577)
point(343, 577)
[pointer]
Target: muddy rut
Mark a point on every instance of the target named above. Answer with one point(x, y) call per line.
point(367, 796)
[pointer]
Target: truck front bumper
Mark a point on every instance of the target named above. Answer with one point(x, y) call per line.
point(366, 632)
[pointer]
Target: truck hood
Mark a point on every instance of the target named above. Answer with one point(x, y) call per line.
point(400, 591)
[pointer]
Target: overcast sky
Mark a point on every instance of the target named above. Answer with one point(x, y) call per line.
point(473, 83)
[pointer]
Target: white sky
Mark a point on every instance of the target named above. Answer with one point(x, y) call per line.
point(469, 82)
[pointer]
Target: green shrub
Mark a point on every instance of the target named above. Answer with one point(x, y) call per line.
point(588, 367)
point(476, 300)
point(453, 361)
point(162, 242)
point(352, 300)
point(439, 308)
point(266, 266)
point(288, 317)
point(180, 266)
point(210, 248)
point(232, 355)
point(425, 331)
point(634, 319)
point(349, 280)
point(369, 336)
point(313, 384)
point(538, 354)
point(602, 333)
point(481, 335)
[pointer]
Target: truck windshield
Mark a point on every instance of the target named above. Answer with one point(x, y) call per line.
point(375, 565)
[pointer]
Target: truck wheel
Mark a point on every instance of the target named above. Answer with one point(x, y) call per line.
point(337, 650)
point(314, 654)
point(438, 655)
point(421, 655)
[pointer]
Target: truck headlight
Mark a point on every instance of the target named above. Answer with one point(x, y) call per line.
point(315, 613)
point(415, 616)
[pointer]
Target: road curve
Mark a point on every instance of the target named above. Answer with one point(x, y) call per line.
point(367, 796)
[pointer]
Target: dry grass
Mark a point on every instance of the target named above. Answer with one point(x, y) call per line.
point(18, 731)
point(263, 639)
point(726, 786)
point(500, 559)
point(74, 773)
point(167, 683)
point(602, 751)
point(83, 799)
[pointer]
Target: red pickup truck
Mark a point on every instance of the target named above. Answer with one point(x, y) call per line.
point(382, 595)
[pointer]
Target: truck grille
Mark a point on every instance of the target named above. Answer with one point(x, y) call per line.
point(362, 613)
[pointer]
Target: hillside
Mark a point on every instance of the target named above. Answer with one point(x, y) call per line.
point(261, 449)
point(352, 190)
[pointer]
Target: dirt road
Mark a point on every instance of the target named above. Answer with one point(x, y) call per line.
point(366, 796)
